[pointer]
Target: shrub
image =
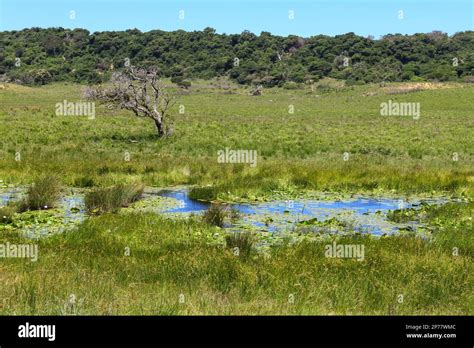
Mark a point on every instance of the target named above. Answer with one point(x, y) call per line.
point(111, 199)
point(242, 240)
point(182, 83)
point(41, 76)
point(43, 194)
point(417, 79)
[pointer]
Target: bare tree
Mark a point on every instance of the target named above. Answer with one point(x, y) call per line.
point(140, 91)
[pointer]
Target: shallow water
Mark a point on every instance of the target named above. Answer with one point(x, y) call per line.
point(69, 212)
point(185, 204)
point(362, 214)
point(10, 194)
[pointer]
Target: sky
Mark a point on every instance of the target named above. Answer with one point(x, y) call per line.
point(280, 17)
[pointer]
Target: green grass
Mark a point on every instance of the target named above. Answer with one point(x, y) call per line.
point(240, 242)
point(42, 194)
point(142, 263)
point(303, 150)
point(6, 214)
point(215, 215)
point(111, 199)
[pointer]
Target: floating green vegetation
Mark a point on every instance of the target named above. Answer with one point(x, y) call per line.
point(405, 215)
point(223, 194)
point(153, 203)
point(169, 257)
point(329, 222)
point(418, 213)
point(299, 157)
point(36, 223)
point(330, 225)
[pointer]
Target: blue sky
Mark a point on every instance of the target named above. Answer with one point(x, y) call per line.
point(311, 17)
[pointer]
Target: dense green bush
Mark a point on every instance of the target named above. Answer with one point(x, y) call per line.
point(58, 54)
point(181, 82)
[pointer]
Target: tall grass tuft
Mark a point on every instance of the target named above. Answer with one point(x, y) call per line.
point(242, 240)
point(207, 193)
point(111, 199)
point(215, 215)
point(43, 194)
point(84, 181)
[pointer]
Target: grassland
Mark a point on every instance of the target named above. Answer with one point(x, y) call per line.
point(303, 150)
point(184, 266)
point(181, 267)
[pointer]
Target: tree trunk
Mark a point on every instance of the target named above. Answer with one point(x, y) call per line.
point(159, 128)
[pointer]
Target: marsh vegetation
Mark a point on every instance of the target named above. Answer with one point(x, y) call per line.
point(133, 252)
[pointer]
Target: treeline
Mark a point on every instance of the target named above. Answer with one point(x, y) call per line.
point(39, 56)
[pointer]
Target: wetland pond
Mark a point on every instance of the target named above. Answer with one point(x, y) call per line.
point(324, 214)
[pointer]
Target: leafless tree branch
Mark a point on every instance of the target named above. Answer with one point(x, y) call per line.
point(140, 91)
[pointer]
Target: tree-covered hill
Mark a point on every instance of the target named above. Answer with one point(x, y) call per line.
point(42, 55)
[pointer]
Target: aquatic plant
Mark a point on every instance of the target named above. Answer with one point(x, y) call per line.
point(43, 194)
point(215, 215)
point(111, 199)
point(206, 193)
point(6, 214)
point(171, 257)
